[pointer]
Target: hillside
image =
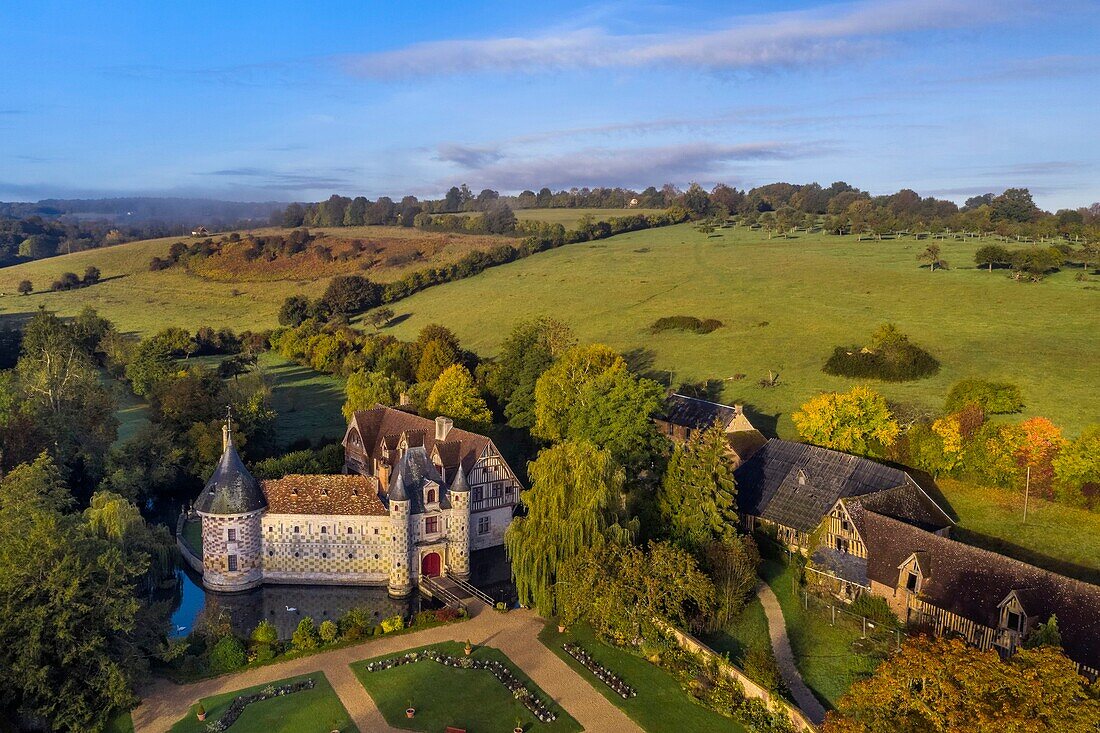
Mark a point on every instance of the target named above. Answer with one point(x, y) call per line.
point(224, 289)
point(786, 303)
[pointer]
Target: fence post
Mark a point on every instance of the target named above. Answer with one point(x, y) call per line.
point(864, 626)
point(805, 601)
point(833, 609)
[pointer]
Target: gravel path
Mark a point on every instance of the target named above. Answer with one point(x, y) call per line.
point(514, 633)
point(781, 645)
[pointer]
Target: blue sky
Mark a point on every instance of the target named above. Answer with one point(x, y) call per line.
point(295, 101)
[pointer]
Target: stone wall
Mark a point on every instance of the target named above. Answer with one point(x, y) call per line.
point(499, 519)
point(227, 539)
point(319, 548)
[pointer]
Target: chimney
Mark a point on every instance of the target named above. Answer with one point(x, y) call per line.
point(404, 400)
point(443, 427)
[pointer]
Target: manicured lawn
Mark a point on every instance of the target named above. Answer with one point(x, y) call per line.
point(308, 403)
point(121, 723)
point(309, 711)
point(824, 653)
point(786, 303)
point(465, 698)
point(192, 536)
point(1055, 537)
point(747, 632)
point(661, 704)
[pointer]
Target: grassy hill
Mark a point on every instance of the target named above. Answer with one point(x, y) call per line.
point(570, 217)
point(785, 304)
point(223, 289)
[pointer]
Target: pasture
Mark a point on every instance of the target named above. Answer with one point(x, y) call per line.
point(785, 304)
point(569, 218)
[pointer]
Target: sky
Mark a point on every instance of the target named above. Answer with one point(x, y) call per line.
point(280, 101)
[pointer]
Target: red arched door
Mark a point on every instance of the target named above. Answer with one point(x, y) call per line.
point(429, 566)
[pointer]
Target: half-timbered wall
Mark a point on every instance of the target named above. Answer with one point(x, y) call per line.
point(841, 534)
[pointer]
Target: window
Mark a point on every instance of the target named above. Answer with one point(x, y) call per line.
point(324, 554)
point(349, 530)
point(801, 477)
point(271, 553)
point(844, 525)
point(231, 535)
point(351, 555)
point(498, 491)
point(483, 525)
point(297, 529)
point(324, 530)
point(232, 563)
point(430, 498)
point(431, 525)
point(297, 554)
point(841, 544)
point(270, 528)
point(1015, 621)
point(376, 530)
point(911, 583)
point(479, 494)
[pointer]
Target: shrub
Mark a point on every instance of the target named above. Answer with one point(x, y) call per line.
point(305, 636)
point(25, 287)
point(355, 624)
point(265, 633)
point(424, 618)
point(67, 281)
point(348, 294)
point(891, 357)
point(228, 654)
point(393, 623)
point(685, 323)
point(761, 667)
point(329, 631)
point(875, 608)
point(995, 398)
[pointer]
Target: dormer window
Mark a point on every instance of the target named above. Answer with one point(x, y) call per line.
point(801, 477)
point(912, 582)
point(429, 496)
point(324, 530)
point(1014, 621)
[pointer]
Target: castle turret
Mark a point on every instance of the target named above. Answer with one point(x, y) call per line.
point(400, 584)
point(458, 528)
point(231, 507)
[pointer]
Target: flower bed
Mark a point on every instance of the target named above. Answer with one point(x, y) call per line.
point(529, 699)
point(242, 701)
point(604, 674)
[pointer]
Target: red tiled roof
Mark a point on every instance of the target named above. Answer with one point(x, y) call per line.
point(386, 423)
point(323, 494)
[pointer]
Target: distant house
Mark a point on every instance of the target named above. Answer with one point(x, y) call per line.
point(788, 488)
point(200, 232)
point(633, 203)
point(929, 580)
point(683, 415)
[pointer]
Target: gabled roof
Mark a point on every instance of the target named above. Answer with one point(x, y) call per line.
point(351, 495)
point(972, 582)
point(231, 489)
point(697, 414)
point(386, 423)
point(909, 504)
point(795, 484)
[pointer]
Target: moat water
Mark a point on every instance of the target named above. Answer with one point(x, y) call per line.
point(286, 605)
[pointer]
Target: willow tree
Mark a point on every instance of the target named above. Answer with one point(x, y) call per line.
point(575, 490)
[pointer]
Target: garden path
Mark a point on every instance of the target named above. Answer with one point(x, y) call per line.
point(784, 656)
point(514, 633)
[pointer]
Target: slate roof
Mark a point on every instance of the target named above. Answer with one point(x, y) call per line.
point(323, 494)
point(795, 484)
point(695, 413)
point(908, 504)
point(972, 582)
point(231, 489)
point(412, 471)
point(387, 424)
point(745, 443)
point(844, 565)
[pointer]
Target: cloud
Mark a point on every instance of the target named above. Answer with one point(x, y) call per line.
point(1040, 168)
point(467, 156)
point(631, 166)
point(775, 40)
point(275, 180)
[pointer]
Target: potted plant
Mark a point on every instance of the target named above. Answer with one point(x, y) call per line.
point(200, 712)
point(519, 726)
point(469, 647)
point(410, 711)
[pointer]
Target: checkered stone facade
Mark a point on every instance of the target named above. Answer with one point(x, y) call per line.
point(231, 550)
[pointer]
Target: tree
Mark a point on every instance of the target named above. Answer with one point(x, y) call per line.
point(575, 490)
point(380, 317)
point(1044, 634)
point(528, 351)
point(227, 655)
point(931, 255)
point(435, 357)
point(590, 394)
point(624, 592)
point(994, 398)
point(151, 364)
point(455, 395)
point(1015, 205)
point(350, 294)
point(364, 390)
point(294, 310)
point(26, 287)
point(854, 422)
point(941, 684)
point(305, 636)
point(1041, 444)
point(990, 255)
point(91, 275)
point(70, 621)
point(731, 564)
point(1077, 470)
point(328, 631)
point(698, 497)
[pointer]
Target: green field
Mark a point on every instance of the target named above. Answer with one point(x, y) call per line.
point(569, 218)
point(745, 633)
point(307, 403)
point(661, 704)
point(785, 304)
point(448, 696)
point(309, 711)
point(1055, 537)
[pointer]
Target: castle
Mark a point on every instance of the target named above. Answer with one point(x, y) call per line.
point(416, 498)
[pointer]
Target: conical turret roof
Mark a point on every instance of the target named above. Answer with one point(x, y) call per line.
point(231, 489)
point(458, 483)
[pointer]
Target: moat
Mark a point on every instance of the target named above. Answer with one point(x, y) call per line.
point(286, 605)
